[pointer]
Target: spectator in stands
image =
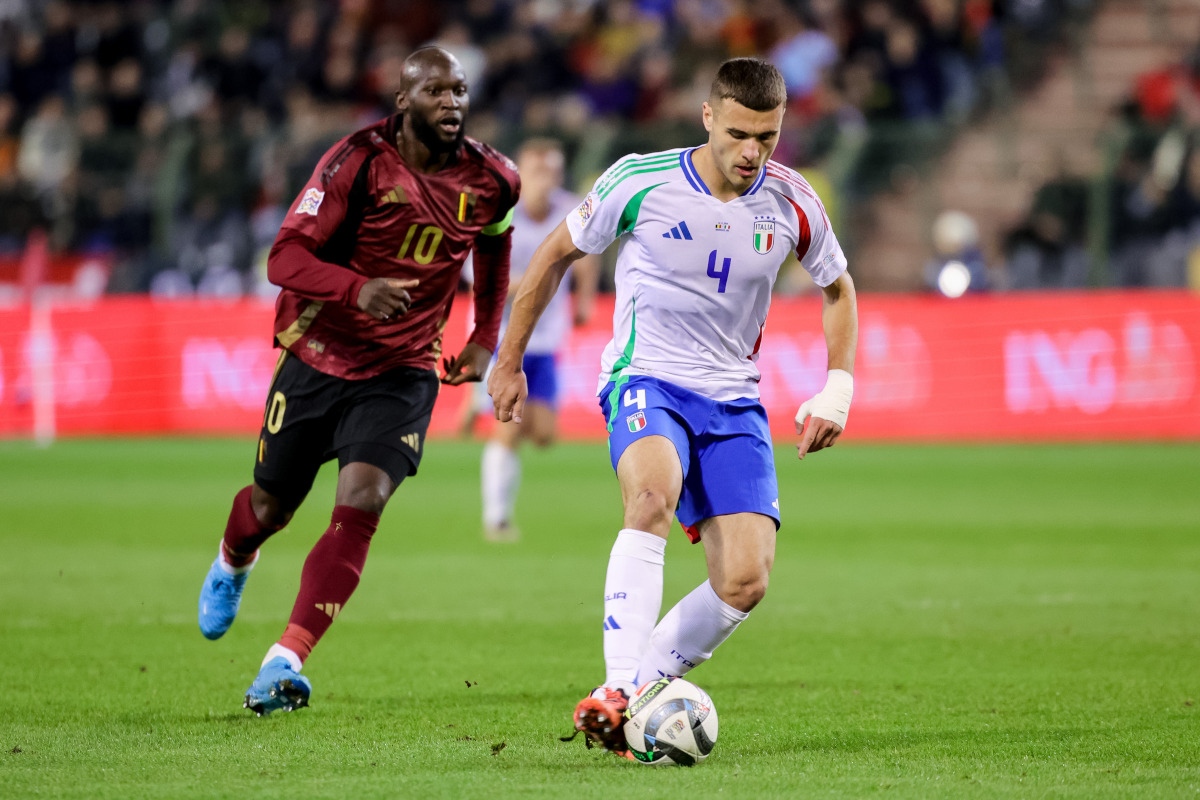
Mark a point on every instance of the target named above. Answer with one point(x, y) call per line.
point(49, 150)
point(958, 265)
point(231, 102)
point(1047, 251)
point(912, 73)
point(212, 251)
point(803, 54)
point(10, 139)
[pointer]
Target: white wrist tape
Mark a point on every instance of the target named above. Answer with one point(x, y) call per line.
point(832, 402)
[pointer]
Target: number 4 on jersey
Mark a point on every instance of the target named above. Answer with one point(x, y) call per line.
point(722, 276)
point(638, 399)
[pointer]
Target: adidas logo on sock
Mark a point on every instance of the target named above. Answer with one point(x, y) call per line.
point(679, 231)
point(332, 609)
point(610, 624)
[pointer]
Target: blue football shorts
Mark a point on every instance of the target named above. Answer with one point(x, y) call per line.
point(724, 447)
point(541, 376)
point(541, 371)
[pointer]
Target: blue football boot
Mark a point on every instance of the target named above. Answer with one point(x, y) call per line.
point(220, 597)
point(277, 686)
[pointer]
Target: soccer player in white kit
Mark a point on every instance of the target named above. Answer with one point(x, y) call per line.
point(702, 232)
point(543, 205)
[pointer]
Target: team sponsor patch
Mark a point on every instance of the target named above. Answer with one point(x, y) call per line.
point(636, 421)
point(764, 235)
point(310, 202)
point(829, 260)
point(586, 207)
point(724, 227)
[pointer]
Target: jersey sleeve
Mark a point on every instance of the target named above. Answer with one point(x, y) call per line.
point(491, 255)
point(298, 259)
point(817, 247)
point(600, 219)
point(507, 189)
point(321, 206)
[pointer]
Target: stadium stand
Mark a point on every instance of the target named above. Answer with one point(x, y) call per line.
point(166, 137)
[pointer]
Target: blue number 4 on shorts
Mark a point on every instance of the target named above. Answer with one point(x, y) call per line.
point(724, 447)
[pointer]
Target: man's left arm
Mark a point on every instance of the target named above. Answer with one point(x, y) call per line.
point(820, 420)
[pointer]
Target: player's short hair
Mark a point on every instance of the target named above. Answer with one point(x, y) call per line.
point(543, 146)
point(540, 144)
point(752, 82)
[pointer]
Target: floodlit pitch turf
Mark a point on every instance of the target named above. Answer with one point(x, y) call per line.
point(942, 622)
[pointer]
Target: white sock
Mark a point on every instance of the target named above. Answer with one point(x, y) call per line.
point(689, 633)
point(632, 599)
point(278, 650)
point(232, 570)
point(500, 477)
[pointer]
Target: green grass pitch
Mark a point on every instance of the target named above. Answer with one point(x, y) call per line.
point(1016, 621)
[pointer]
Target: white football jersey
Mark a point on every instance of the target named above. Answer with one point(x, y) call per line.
point(554, 326)
point(694, 274)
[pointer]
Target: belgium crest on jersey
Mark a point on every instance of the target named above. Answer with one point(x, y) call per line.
point(764, 235)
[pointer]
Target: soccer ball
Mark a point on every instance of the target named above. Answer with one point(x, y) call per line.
point(671, 721)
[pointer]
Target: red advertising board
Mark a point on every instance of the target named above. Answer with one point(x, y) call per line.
point(1110, 365)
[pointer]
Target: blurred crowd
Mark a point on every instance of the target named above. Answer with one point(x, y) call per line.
point(1138, 222)
point(171, 135)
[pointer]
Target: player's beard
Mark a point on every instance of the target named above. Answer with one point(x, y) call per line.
point(428, 135)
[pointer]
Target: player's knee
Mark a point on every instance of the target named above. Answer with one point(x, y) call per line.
point(543, 438)
point(372, 499)
point(649, 509)
point(272, 513)
point(743, 592)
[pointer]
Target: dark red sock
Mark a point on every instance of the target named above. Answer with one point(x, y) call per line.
point(243, 532)
point(330, 576)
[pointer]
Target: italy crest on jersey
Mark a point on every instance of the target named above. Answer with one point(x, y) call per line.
point(764, 236)
point(636, 421)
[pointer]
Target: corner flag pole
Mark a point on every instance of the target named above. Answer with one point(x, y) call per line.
point(40, 348)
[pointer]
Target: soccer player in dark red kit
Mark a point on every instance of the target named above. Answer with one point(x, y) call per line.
point(369, 257)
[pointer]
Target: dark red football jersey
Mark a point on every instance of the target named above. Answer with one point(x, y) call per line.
point(365, 214)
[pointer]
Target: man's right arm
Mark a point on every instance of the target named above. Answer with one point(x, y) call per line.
point(541, 280)
point(327, 203)
point(293, 264)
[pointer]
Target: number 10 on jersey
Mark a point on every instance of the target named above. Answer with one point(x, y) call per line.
point(721, 275)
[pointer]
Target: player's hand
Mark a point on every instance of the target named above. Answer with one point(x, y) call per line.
point(816, 434)
point(471, 365)
point(384, 298)
point(508, 388)
point(821, 419)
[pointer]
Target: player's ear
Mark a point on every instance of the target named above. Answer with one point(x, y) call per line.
point(708, 117)
point(401, 101)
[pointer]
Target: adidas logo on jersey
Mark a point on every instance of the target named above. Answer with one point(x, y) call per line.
point(413, 440)
point(679, 231)
point(396, 195)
